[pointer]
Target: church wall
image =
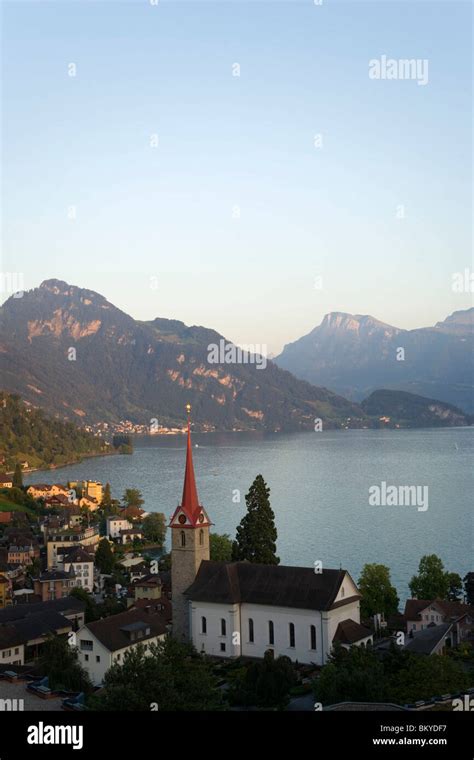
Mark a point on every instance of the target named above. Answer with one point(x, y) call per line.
point(211, 642)
point(281, 617)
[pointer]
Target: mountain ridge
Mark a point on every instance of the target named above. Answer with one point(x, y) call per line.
point(356, 354)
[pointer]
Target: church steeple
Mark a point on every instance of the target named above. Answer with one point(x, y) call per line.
point(190, 508)
point(189, 543)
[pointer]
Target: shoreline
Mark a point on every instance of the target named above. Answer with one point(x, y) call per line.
point(48, 468)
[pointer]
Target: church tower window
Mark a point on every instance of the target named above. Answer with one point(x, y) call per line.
point(201, 537)
point(183, 538)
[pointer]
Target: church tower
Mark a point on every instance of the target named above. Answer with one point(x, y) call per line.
point(189, 544)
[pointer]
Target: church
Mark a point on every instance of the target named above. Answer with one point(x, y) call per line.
point(233, 609)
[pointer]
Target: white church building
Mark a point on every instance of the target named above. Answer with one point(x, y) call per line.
point(232, 609)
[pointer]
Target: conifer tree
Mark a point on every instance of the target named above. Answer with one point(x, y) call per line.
point(18, 476)
point(256, 535)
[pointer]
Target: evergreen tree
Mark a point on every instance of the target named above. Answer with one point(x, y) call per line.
point(104, 558)
point(133, 497)
point(18, 476)
point(469, 588)
point(106, 502)
point(256, 535)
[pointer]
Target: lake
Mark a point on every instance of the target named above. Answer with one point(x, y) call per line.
point(320, 485)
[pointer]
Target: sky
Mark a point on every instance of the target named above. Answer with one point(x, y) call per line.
point(233, 164)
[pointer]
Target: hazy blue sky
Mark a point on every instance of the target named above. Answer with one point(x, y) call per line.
point(248, 142)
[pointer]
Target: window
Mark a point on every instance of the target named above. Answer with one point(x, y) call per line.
point(183, 538)
point(17, 651)
point(223, 627)
point(201, 537)
point(97, 658)
point(271, 633)
point(342, 591)
point(222, 647)
point(203, 625)
point(292, 634)
point(119, 656)
point(86, 657)
point(86, 646)
point(312, 635)
point(251, 637)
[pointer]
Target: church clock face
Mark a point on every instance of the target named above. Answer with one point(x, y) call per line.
point(201, 518)
point(182, 519)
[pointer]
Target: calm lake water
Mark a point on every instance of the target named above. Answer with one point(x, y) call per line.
point(319, 491)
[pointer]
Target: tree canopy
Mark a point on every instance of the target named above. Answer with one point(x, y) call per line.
point(256, 535)
point(378, 594)
point(171, 676)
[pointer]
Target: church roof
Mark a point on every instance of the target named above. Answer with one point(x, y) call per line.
point(273, 585)
point(350, 632)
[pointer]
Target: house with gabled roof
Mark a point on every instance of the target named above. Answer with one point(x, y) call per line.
point(105, 642)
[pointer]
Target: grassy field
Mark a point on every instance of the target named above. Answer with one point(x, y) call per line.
point(9, 506)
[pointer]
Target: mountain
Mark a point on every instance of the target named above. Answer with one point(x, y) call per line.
point(27, 434)
point(76, 355)
point(355, 354)
point(409, 410)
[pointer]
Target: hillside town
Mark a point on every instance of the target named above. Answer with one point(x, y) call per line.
point(84, 579)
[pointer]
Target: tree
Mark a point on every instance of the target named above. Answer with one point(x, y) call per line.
point(220, 547)
point(454, 587)
point(422, 677)
point(432, 582)
point(104, 558)
point(91, 610)
point(18, 476)
point(171, 675)
point(106, 502)
point(354, 675)
point(133, 497)
point(378, 594)
point(154, 528)
point(264, 684)
point(469, 588)
point(60, 663)
point(257, 534)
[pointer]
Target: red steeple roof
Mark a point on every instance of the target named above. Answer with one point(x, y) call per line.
point(190, 501)
point(190, 507)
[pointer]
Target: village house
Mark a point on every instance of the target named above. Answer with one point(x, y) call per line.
point(421, 614)
point(43, 490)
point(105, 642)
point(67, 539)
point(54, 584)
point(29, 625)
point(6, 481)
point(5, 592)
point(129, 535)
point(114, 524)
point(81, 563)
